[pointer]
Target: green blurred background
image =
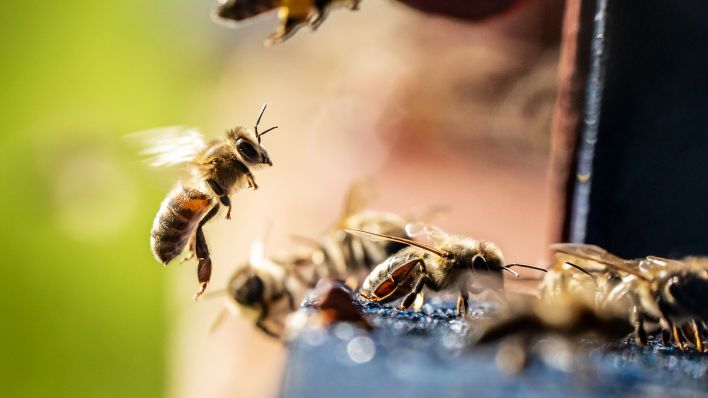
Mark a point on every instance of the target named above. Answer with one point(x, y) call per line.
point(84, 300)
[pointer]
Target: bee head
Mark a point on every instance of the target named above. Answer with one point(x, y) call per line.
point(247, 288)
point(249, 149)
point(688, 291)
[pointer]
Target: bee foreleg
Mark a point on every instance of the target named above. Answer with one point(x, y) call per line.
point(463, 300)
point(410, 298)
point(251, 181)
point(202, 251)
point(223, 197)
point(640, 332)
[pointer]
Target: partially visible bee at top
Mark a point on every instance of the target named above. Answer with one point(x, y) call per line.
point(670, 294)
point(292, 14)
point(219, 168)
point(452, 262)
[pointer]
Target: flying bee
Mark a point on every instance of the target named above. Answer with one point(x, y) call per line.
point(655, 291)
point(452, 262)
point(219, 168)
point(292, 14)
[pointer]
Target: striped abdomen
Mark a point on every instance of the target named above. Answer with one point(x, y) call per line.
point(176, 220)
point(238, 10)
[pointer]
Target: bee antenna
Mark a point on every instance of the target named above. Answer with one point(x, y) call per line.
point(527, 266)
point(507, 269)
point(258, 121)
point(263, 133)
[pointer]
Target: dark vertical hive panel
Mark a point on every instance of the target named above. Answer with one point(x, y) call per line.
point(650, 177)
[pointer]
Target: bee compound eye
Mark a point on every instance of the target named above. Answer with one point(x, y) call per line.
point(248, 151)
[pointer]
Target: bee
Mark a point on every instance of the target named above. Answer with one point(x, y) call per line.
point(529, 324)
point(654, 291)
point(452, 262)
point(220, 168)
point(340, 255)
point(262, 289)
point(292, 14)
point(568, 314)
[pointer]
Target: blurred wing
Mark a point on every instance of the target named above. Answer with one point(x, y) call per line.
point(359, 195)
point(169, 146)
point(597, 254)
point(417, 229)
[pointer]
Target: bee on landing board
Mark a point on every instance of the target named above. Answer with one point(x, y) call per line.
point(219, 168)
point(452, 262)
point(337, 254)
point(653, 292)
point(292, 14)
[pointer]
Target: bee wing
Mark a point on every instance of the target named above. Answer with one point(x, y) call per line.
point(599, 255)
point(416, 229)
point(169, 146)
point(358, 196)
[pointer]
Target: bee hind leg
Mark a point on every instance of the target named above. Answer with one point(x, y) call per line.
point(697, 335)
point(260, 322)
point(202, 251)
point(677, 337)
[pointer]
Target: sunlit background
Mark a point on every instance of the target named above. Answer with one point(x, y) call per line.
point(438, 112)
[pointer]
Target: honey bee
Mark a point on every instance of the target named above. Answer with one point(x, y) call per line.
point(261, 290)
point(340, 255)
point(568, 314)
point(453, 262)
point(530, 324)
point(654, 291)
point(292, 14)
point(220, 167)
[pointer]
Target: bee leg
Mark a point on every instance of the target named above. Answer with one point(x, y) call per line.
point(697, 335)
point(288, 26)
point(410, 298)
point(260, 322)
point(463, 301)
point(251, 181)
point(291, 300)
point(665, 336)
point(637, 321)
point(317, 19)
point(191, 249)
point(221, 193)
point(226, 202)
point(202, 250)
point(677, 338)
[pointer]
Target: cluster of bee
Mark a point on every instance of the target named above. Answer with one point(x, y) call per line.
point(292, 14)
point(585, 290)
point(264, 288)
point(589, 291)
